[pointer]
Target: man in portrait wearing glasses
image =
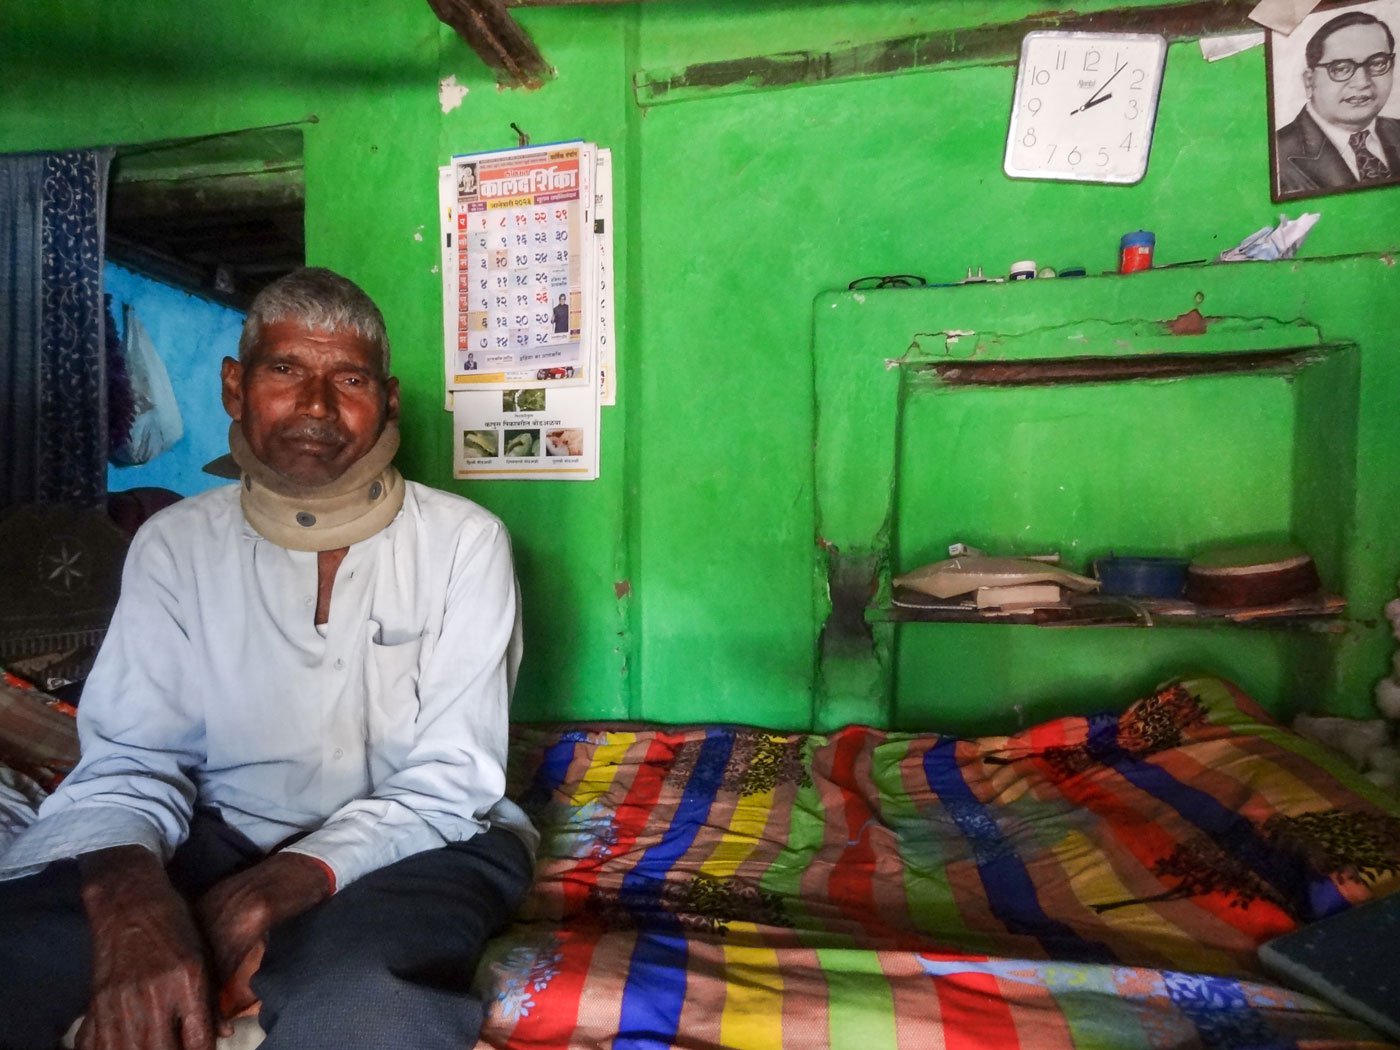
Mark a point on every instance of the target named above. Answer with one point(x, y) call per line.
point(1339, 140)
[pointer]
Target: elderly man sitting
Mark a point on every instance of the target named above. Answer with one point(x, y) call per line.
point(293, 740)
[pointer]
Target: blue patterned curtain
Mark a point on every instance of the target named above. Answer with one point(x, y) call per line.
point(53, 427)
point(21, 205)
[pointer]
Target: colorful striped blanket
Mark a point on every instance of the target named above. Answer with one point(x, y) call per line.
point(1089, 882)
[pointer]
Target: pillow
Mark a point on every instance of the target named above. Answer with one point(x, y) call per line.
point(38, 733)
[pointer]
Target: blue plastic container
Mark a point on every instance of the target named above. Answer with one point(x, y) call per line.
point(1142, 577)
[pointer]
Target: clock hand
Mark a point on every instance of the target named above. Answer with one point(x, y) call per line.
point(1095, 95)
point(1095, 102)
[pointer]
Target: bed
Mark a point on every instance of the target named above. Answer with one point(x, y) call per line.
point(1089, 882)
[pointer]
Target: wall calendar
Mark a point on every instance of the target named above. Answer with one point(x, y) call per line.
point(527, 299)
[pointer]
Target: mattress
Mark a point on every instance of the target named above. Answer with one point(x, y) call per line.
point(1100, 881)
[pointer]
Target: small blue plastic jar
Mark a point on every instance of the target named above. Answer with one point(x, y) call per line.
point(1142, 577)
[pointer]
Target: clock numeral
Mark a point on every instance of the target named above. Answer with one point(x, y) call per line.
point(1139, 76)
point(1033, 104)
point(1127, 143)
point(1103, 157)
point(1060, 57)
point(1132, 109)
point(1074, 157)
point(1051, 156)
point(1028, 139)
point(1091, 61)
point(1040, 76)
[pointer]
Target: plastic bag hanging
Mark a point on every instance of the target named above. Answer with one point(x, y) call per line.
point(157, 424)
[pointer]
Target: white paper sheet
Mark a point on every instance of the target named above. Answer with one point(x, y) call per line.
point(526, 434)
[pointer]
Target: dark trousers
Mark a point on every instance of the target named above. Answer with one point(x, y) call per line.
point(386, 962)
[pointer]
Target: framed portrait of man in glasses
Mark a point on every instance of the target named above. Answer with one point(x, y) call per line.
point(1333, 114)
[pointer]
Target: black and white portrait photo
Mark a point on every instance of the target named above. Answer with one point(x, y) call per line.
point(466, 179)
point(1333, 113)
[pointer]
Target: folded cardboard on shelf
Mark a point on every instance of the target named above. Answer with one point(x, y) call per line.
point(967, 574)
point(1018, 596)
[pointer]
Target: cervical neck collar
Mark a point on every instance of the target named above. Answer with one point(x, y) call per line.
point(327, 517)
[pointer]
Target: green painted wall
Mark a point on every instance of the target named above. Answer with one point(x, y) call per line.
point(680, 586)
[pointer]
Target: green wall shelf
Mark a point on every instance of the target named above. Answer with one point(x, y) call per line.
point(1160, 413)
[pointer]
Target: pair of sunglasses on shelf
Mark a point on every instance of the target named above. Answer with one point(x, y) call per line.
point(897, 280)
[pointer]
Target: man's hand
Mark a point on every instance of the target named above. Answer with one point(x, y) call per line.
point(150, 989)
point(238, 913)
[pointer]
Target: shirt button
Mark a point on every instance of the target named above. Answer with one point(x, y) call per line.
point(337, 753)
point(340, 665)
point(308, 600)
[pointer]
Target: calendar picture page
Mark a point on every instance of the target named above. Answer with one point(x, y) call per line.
point(522, 264)
point(531, 433)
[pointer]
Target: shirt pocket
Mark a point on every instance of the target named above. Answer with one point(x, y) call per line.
point(391, 704)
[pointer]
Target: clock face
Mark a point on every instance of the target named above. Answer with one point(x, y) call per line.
point(1084, 106)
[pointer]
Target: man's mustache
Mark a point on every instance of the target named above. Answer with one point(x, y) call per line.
point(320, 431)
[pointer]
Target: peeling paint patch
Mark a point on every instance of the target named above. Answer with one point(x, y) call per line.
point(1388, 259)
point(623, 589)
point(991, 44)
point(418, 233)
point(858, 297)
point(954, 334)
point(451, 93)
point(1190, 323)
point(1061, 370)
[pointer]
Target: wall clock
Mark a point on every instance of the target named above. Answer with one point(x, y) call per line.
point(1084, 106)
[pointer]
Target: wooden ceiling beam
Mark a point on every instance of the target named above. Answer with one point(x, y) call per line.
point(567, 3)
point(179, 273)
point(218, 196)
point(493, 34)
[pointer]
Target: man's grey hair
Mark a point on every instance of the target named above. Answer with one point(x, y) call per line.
point(319, 299)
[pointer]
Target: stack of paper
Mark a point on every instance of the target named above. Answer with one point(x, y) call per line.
point(1018, 596)
point(529, 353)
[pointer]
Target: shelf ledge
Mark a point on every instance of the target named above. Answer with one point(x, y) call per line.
point(1318, 612)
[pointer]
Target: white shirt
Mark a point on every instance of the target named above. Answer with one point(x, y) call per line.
point(1340, 137)
point(382, 738)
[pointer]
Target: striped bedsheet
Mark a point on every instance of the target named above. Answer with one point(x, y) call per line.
point(1089, 882)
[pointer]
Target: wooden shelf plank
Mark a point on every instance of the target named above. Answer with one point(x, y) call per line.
point(1315, 612)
